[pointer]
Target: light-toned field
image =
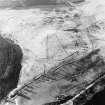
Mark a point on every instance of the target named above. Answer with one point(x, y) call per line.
point(42, 37)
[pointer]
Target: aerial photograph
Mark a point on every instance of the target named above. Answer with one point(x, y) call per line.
point(52, 52)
